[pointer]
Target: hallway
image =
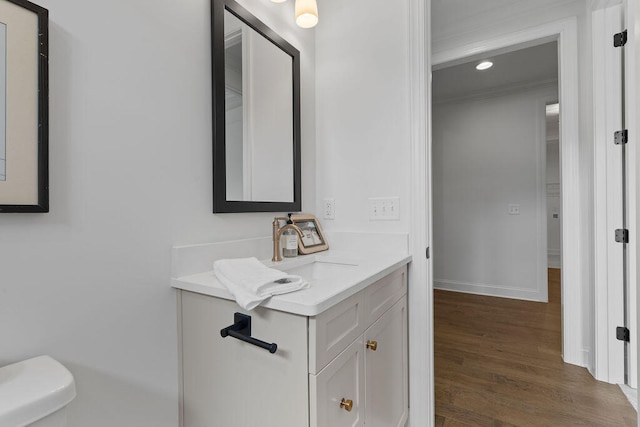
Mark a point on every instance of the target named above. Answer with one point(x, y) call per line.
point(498, 362)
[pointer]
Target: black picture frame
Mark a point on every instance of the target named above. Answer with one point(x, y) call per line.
point(220, 202)
point(40, 59)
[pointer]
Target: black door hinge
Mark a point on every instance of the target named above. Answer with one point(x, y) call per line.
point(622, 235)
point(428, 254)
point(621, 136)
point(620, 39)
point(622, 334)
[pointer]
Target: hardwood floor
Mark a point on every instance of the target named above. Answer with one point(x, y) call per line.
point(498, 363)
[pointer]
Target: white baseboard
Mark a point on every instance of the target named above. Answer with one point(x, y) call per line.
point(631, 394)
point(585, 358)
point(489, 290)
point(553, 259)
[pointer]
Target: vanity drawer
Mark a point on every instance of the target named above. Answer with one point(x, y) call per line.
point(333, 330)
point(383, 294)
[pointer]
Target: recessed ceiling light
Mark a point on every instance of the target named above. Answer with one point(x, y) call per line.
point(484, 65)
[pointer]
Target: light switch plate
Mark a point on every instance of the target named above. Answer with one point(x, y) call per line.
point(384, 208)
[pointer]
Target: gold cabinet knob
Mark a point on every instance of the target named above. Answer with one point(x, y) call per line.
point(346, 404)
point(372, 345)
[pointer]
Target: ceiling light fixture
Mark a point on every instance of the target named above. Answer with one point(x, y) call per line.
point(484, 65)
point(306, 12)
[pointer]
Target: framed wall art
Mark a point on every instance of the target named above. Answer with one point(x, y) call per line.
point(24, 107)
point(313, 240)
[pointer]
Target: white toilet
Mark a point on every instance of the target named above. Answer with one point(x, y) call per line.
point(35, 393)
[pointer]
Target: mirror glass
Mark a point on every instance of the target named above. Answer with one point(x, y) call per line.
point(3, 102)
point(259, 116)
point(256, 99)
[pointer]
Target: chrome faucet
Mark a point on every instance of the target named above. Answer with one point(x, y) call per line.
point(277, 233)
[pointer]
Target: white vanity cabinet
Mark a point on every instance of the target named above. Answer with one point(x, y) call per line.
point(346, 366)
point(369, 378)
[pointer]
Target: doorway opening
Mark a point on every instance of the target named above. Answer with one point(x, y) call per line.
point(461, 315)
point(574, 249)
point(489, 173)
point(553, 202)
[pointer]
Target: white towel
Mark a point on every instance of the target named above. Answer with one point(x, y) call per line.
point(251, 282)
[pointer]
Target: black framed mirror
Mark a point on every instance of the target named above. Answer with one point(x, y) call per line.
point(256, 114)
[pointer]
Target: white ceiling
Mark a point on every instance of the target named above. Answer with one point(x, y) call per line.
point(446, 12)
point(520, 68)
point(453, 18)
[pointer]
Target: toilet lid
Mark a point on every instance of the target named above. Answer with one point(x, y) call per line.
point(32, 389)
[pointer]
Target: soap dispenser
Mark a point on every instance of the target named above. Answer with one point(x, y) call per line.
point(290, 242)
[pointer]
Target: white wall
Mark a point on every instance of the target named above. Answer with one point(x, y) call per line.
point(363, 110)
point(467, 22)
point(130, 143)
point(373, 113)
point(489, 153)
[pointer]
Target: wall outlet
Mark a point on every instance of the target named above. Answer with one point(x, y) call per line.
point(384, 208)
point(329, 208)
point(513, 209)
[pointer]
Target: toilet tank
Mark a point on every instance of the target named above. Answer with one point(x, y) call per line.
point(35, 392)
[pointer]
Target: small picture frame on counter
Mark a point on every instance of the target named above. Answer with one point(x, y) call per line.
point(313, 239)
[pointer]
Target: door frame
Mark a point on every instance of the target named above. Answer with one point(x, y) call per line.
point(420, 291)
point(574, 243)
point(607, 207)
point(632, 73)
point(633, 187)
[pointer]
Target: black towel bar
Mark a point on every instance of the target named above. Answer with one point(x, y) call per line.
point(241, 329)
